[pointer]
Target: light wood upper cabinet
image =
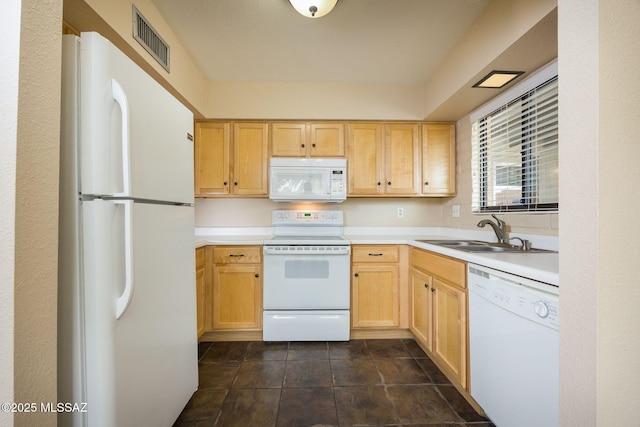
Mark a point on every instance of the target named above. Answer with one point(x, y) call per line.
point(307, 139)
point(231, 159)
point(365, 159)
point(289, 139)
point(402, 159)
point(211, 166)
point(326, 139)
point(438, 159)
point(384, 159)
point(250, 158)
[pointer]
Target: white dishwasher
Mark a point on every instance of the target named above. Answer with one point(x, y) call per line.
point(514, 348)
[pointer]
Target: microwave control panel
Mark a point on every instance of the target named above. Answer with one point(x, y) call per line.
point(338, 185)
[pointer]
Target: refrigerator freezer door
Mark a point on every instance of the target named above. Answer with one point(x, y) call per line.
point(135, 137)
point(140, 368)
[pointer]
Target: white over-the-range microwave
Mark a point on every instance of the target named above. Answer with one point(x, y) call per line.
point(307, 180)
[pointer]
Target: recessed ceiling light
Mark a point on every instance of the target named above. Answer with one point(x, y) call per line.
point(497, 79)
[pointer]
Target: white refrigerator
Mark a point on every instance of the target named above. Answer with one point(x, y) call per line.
point(127, 344)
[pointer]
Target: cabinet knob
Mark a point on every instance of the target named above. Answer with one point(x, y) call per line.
point(302, 145)
point(257, 275)
point(313, 145)
point(235, 183)
point(356, 275)
point(426, 285)
point(379, 184)
point(225, 183)
point(426, 183)
point(389, 183)
point(433, 289)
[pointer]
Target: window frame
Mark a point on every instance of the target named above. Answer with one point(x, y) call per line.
point(481, 175)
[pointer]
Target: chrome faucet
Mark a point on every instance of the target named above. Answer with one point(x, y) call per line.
point(499, 227)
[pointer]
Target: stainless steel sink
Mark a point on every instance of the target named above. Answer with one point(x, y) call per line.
point(480, 246)
point(454, 242)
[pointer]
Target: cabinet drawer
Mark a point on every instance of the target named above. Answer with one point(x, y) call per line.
point(237, 255)
point(449, 269)
point(365, 253)
point(200, 258)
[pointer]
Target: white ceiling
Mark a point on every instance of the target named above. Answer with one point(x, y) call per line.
point(360, 41)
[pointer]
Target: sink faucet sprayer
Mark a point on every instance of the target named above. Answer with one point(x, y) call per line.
point(499, 227)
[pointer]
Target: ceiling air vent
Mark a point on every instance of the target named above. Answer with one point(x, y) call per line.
point(149, 39)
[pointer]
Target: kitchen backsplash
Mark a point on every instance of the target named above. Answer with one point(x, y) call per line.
point(357, 212)
point(230, 212)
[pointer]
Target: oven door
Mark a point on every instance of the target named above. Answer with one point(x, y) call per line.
point(306, 278)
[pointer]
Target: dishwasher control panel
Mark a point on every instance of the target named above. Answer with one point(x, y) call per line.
point(529, 299)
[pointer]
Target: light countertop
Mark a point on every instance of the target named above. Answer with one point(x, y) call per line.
point(542, 267)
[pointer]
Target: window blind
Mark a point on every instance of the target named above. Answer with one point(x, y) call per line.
point(515, 154)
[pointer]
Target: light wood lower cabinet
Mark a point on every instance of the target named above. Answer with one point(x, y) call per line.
point(421, 313)
point(237, 287)
point(375, 285)
point(200, 286)
point(439, 311)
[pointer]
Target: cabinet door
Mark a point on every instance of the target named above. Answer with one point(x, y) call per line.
point(211, 163)
point(439, 159)
point(375, 301)
point(365, 165)
point(402, 159)
point(208, 288)
point(327, 140)
point(421, 315)
point(449, 328)
point(250, 158)
point(289, 139)
point(200, 301)
point(237, 297)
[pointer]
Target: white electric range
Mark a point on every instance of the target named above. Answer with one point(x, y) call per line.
point(306, 278)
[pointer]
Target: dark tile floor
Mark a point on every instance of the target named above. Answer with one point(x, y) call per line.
point(361, 382)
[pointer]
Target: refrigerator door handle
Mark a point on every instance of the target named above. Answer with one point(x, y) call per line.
point(121, 99)
point(124, 300)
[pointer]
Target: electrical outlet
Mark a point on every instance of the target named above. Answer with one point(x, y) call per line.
point(456, 211)
point(400, 212)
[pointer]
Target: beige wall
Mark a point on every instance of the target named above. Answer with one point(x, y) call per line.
point(32, 147)
point(517, 223)
point(618, 165)
point(600, 291)
point(113, 19)
point(501, 24)
point(357, 212)
point(282, 100)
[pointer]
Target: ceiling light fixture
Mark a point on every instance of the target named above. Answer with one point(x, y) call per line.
point(498, 79)
point(313, 8)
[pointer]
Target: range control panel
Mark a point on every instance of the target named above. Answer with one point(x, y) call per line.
point(315, 217)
